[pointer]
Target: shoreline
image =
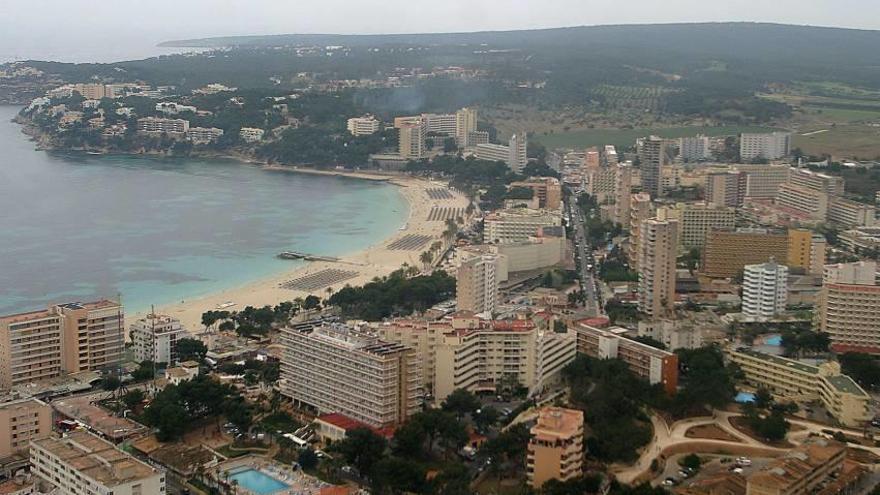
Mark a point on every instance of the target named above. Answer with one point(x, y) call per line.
point(362, 266)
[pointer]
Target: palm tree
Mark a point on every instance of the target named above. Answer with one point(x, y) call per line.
point(426, 258)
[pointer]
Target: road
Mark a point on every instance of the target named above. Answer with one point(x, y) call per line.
point(584, 253)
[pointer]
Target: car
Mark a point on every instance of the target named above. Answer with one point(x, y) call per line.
point(738, 470)
point(684, 474)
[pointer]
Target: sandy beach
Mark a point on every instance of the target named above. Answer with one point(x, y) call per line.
point(424, 226)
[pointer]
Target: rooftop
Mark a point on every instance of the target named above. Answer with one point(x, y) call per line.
point(780, 361)
point(845, 384)
point(555, 422)
point(96, 458)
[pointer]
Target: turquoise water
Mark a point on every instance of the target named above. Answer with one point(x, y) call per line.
point(775, 340)
point(156, 231)
point(257, 482)
point(744, 397)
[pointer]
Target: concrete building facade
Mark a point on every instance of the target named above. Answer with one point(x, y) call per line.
point(657, 252)
point(765, 290)
point(22, 419)
point(476, 283)
point(154, 338)
point(727, 252)
point(556, 446)
point(767, 146)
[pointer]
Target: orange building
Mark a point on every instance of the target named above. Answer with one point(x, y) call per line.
point(556, 447)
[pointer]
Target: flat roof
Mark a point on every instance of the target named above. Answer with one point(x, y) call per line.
point(780, 361)
point(844, 383)
point(97, 458)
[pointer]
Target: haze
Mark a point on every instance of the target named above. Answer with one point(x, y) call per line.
point(77, 30)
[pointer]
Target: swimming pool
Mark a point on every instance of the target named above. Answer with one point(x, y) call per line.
point(776, 340)
point(257, 481)
point(744, 397)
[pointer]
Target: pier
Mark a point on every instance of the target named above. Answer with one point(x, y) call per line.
point(296, 255)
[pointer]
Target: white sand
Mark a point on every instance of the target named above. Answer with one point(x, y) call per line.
point(376, 261)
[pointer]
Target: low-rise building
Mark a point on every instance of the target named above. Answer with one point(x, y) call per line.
point(548, 190)
point(251, 134)
point(187, 371)
point(158, 125)
point(804, 470)
point(204, 135)
point(517, 224)
point(647, 362)
point(556, 446)
point(363, 126)
point(84, 464)
point(793, 380)
point(173, 108)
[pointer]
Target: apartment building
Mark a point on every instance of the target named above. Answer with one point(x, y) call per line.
point(849, 307)
point(338, 369)
point(647, 362)
point(763, 181)
point(806, 469)
point(848, 214)
point(65, 338)
point(548, 190)
point(657, 253)
point(466, 127)
point(765, 290)
point(204, 135)
point(641, 209)
point(80, 463)
point(476, 283)
point(556, 446)
point(517, 224)
point(541, 251)
point(154, 338)
point(251, 134)
point(481, 357)
point(514, 154)
point(623, 194)
point(727, 188)
point(793, 380)
point(727, 252)
point(767, 146)
point(806, 204)
point(90, 91)
point(828, 184)
point(696, 220)
point(694, 148)
point(806, 251)
point(363, 126)
point(861, 239)
point(652, 156)
point(22, 419)
point(674, 334)
point(159, 125)
point(412, 136)
point(601, 183)
point(610, 157)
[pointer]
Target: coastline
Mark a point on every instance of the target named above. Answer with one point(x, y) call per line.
point(378, 260)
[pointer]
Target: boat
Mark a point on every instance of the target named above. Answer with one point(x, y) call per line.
point(94, 153)
point(404, 226)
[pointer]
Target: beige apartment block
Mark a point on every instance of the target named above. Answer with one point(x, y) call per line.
point(556, 446)
point(641, 209)
point(696, 220)
point(806, 251)
point(793, 380)
point(476, 283)
point(849, 307)
point(657, 253)
point(339, 369)
point(726, 188)
point(84, 464)
point(93, 335)
point(548, 190)
point(22, 419)
point(727, 252)
point(517, 224)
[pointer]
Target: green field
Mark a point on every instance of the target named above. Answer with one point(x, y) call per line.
point(842, 141)
point(627, 137)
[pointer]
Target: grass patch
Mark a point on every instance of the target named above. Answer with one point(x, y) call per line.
point(627, 137)
point(842, 141)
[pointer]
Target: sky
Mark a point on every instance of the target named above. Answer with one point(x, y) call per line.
point(80, 30)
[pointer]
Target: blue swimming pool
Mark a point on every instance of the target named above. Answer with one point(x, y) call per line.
point(775, 340)
point(257, 481)
point(744, 397)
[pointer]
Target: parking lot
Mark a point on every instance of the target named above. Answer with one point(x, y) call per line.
point(674, 474)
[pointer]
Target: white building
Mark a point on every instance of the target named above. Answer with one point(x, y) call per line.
point(694, 148)
point(173, 108)
point(765, 290)
point(84, 464)
point(769, 146)
point(154, 338)
point(363, 126)
point(513, 155)
point(477, 283)
point(251, 134)
point(156, 125)
point(517, 224)
point(203, 135)
point(466, 127)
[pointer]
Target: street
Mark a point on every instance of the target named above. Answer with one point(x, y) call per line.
point(584, 255)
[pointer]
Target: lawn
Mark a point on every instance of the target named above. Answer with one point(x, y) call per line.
point(627, 137)
point(842, 141)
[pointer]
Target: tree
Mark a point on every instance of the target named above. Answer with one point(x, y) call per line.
point(863, 368)
point(763, 398)
point(486, 417)
point(191, 350)
point(110, 382)
point(307, 459)
point(362, 449)
point(134, 398)
point(461, 402)
point(691, 461)
point(146, 370)
point(311, 302)
point(394, 475)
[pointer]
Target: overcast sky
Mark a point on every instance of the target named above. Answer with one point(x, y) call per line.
point(35, 27)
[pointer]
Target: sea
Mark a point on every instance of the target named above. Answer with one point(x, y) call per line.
point(77, 227)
